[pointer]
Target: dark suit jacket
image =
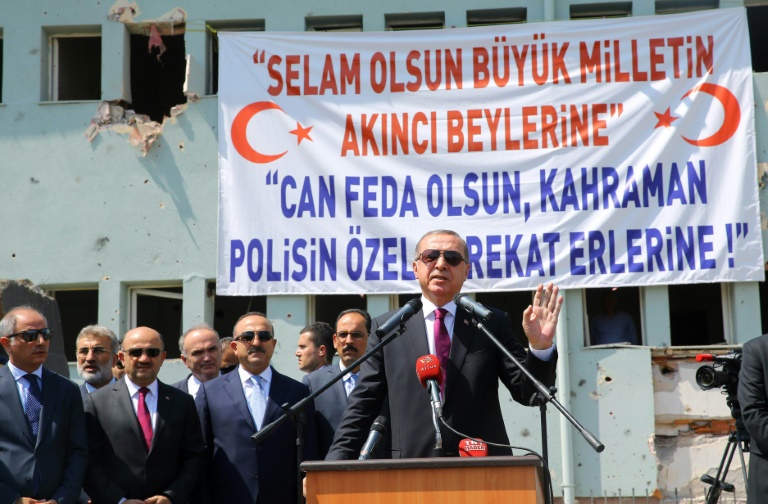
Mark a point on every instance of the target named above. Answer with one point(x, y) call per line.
point(240, 470)
point(183, 385)
point(471, 403)
point(329, 406)
point(60, 452)
point(753, 393)
point(120, 467)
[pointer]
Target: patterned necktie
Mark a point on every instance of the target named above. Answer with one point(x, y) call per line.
point(351, 383)
point(34, 403)
point(442, 343)
point(145, 420)
point(258, 402)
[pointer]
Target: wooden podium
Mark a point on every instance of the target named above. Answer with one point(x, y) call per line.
point(474, 480)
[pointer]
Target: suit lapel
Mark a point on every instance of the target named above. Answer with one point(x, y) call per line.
point(163, 410)
point(123, 399)
point(460, 343)
point(9, 397)
point(275, 399)
point(416, 331)
point(50, 393)
point(234, 390)
point(338, 391)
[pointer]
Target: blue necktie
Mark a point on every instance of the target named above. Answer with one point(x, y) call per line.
point(258, 402)
point(349, 385)
point(34, 403)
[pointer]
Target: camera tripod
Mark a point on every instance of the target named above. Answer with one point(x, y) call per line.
point(738, 438)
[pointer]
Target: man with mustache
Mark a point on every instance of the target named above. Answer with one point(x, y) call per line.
point(350, 340)
point(235, 406)
point(201, 353)
point(43, 447)
point(471, 363)
point(97, 348)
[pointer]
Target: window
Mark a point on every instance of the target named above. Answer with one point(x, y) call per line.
point(601, 10)
point(678, 6)
point(612, 315)
point(763, 286)
point(214, 27)
point(486, 17)
point(75, 72)
point(161, 309)
point(158, 69)
point(414, 21)
point(1, 65)
point(328, 307)
point(227, 309)
point(334, 23)
point(513, 303)
point(696, 314)
point(77, 309)
point(757, 17)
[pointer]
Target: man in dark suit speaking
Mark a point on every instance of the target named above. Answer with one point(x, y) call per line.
point(145, 439)
point(43, 448)
point(472, 365)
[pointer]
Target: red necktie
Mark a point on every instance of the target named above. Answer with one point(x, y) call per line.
point(144, 419)
point(442, 343)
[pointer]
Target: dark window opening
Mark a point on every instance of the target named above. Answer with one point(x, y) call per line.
point(227, 309)
point(601, 10)
point(678, 6)
point(76, 68)
point(696, 314)
point(328, 307)
point(157, 80)
point(513, 303)
point(486, 17)
point(763, 287)
point(1, 67)
point(613, 315)
point(757, 17)
point(214, 27)
point(414, 21)
point(77, 309)
point(334, 23)
point(161, 313)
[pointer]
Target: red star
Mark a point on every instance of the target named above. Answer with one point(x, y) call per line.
point(302, 133)
point(666, 119)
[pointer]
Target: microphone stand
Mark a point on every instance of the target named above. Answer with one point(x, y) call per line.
point(438, 450)
point(542, 396)
point(296, 412)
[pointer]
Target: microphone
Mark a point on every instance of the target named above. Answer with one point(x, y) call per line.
point(378, 429)
point(472, 448)
point(431, 376)
point(472, 307)
point(410, 309)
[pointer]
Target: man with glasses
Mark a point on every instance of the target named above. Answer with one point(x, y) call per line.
point(201, 353)
point(237, 405)
point(43, 446)
point(471, 363)
point(144, 436)
point(349, 340)
point(97, 348)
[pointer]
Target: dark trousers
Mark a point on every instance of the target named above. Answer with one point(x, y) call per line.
point(757, 483)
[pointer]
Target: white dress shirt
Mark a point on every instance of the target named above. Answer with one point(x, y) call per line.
point(150, 399)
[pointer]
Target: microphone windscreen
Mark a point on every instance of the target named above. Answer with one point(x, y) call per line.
point(428, 368)
point(470, 448)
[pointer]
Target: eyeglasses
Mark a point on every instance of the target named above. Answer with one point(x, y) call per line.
point(356, 335)
point(31, 335)
point(451, 256)
point(97, 350)
point(247, 336)
point(138, 352)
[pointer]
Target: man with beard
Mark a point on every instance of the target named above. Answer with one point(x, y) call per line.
point(237, 405)
point(350, 340)
point(97, 348)
point(201, 352)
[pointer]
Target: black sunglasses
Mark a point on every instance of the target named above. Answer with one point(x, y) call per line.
point(451, 256)
point(247, 336)
point(31, 335)
point(137, 352)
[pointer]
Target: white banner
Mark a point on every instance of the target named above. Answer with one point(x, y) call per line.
point(589, 153)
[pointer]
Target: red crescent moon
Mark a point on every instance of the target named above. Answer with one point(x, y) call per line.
point(240, 141)
point(731, 115)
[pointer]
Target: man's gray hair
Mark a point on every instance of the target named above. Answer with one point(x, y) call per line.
point(443, 232)
point(103, 332)
point(8, 322)
point(194, 328)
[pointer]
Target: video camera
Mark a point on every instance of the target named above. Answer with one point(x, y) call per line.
point(709, 377)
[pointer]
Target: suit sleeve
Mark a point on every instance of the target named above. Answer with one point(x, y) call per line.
point(752, 394)
point(364, 405)
point(193, 452)
point(98, 485)
point(77, 449)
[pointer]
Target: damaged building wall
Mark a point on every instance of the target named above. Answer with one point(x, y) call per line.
point(122, 212)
